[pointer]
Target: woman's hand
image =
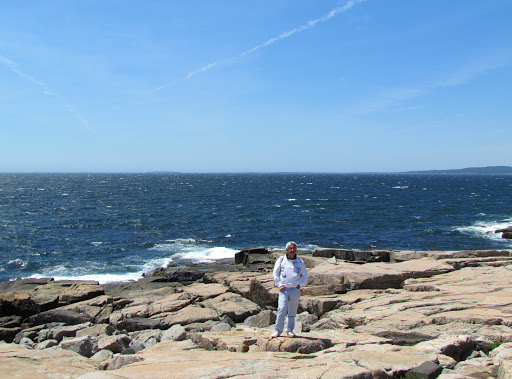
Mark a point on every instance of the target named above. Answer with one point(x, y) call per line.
point(281, 289)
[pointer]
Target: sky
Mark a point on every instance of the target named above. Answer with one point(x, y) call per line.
point(255, 86)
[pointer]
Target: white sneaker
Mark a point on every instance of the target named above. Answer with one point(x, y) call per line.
point(275, 334)
point(290, 334)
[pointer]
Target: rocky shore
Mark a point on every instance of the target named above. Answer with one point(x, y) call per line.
point(364, 314)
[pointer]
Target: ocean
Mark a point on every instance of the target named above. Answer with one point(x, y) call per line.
point(115, 227)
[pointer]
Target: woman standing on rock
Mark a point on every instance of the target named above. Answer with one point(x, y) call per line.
point(290, 274)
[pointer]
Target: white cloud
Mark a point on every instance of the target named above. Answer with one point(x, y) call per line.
point(393, 97)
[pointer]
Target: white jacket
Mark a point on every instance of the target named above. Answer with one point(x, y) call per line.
point(290, 272)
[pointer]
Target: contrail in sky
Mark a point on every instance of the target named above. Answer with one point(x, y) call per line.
point(13, 66)
point(308, 25)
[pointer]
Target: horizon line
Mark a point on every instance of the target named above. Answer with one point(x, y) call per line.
point(253, 172)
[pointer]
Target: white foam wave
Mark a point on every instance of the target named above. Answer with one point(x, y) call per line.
point(191, 250)
point(185, 250)
point(486, 229)
point(100, 278)
point(207, 255)
point(19, 263)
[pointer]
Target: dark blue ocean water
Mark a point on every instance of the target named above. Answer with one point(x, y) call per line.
point(117, 226)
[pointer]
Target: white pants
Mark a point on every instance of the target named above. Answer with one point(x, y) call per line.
point(287, 306)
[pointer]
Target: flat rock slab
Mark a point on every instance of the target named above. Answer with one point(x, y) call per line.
point(374, 275)
point(232, 305)
point(190, 314)
point(406, 255)
point(474, 301)
point(164, 359)
point(28, 297)
point(19, 362)
point(205, 290)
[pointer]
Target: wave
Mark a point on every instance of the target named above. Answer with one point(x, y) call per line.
point(182, 250)
point(100, 278)
point(486, 229)
point(194, 251)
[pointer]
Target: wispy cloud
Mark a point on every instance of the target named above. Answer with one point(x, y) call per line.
point(308, 25)
point(393, 97)
point(14, 67)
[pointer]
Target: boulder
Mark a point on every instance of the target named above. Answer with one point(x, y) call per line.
point(116, 343)
point(261, 320)
point(234, 341)
point(294, 345)
point(475, 368)
point(150, 306)
point(11, 321)
point(59, 332)
point(319, 305)
point(145, 335)
point(427, 370)
point(457, 347)
point(66, 316)
point(135, 346)
point(262, 291)
point(46, 344)
point(27, 342)
point(102, 355)
point(174, 333)
point(221, 327)
point(243, 254)
point(18, 303)
point(33, 332)
point(171, 303)
point(8, 334)
point(307, 320)
point(203, 291)
point(197, 327)
point(98, 309)
point(138, 323)
point(123, 360)
point(353, 255)
point(78, 291)
point(96, 330)
point(86, 346)
point(233, 306)
point(178, 275)
point(188, 315)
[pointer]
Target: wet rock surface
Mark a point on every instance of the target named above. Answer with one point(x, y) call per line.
point(364, 314)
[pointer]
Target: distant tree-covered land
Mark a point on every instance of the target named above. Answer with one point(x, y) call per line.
point(490, 170)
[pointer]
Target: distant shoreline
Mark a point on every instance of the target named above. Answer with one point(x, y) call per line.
point(489, 170)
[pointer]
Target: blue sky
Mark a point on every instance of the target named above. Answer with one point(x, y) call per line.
point(254, 86)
